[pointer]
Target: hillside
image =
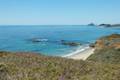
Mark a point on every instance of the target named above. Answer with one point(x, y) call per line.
point(107, 50)
point(111, 41)
point(106, 55)
point(22, 66)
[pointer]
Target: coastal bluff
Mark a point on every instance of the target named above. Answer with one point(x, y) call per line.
point(111, 41)
point(107, 50)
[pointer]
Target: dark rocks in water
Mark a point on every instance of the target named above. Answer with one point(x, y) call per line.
point(63, 42)
point(92, 45)
point(110, 25)
point(71, 43)
point(36, 40)
point(116, 25)
point(106, 25)
point(91, 24)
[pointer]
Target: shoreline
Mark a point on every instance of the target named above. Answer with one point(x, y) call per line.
point(81, 54)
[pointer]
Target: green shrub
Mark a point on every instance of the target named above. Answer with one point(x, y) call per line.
point(106, 55)
point(27, 66)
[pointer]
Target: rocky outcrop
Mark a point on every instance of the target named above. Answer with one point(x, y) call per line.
point(116, 25)
point(112, 41)
point(91, 24)
point(63, 42)
point(105, 25)
point(110, 25)
point(107, 50)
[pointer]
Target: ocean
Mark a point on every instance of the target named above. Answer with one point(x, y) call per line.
point(18, 38)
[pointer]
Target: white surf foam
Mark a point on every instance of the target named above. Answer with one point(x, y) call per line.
point(80, 49)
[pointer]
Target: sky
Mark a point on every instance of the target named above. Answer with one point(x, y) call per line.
point(59, 12)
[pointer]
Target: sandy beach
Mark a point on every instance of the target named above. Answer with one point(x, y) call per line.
point(81, 54)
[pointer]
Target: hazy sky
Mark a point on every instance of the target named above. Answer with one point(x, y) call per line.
point(59, 12)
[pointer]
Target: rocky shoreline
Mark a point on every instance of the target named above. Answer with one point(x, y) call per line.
point(104, 25)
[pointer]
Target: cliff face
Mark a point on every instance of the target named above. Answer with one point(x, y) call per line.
point(112, 41)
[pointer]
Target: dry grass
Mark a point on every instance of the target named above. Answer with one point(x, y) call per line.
point(27, 66)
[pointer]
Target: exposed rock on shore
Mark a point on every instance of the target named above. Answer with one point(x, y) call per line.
point(112, 41)
point(107, 50)
point(63, 42)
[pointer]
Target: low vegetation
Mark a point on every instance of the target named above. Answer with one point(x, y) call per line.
point(107, 50)
point(106, 55)
point(103, 65)
point(27, 66)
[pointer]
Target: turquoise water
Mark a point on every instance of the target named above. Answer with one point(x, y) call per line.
point(17, 38)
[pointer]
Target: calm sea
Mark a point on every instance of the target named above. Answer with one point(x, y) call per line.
point(18, 38)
